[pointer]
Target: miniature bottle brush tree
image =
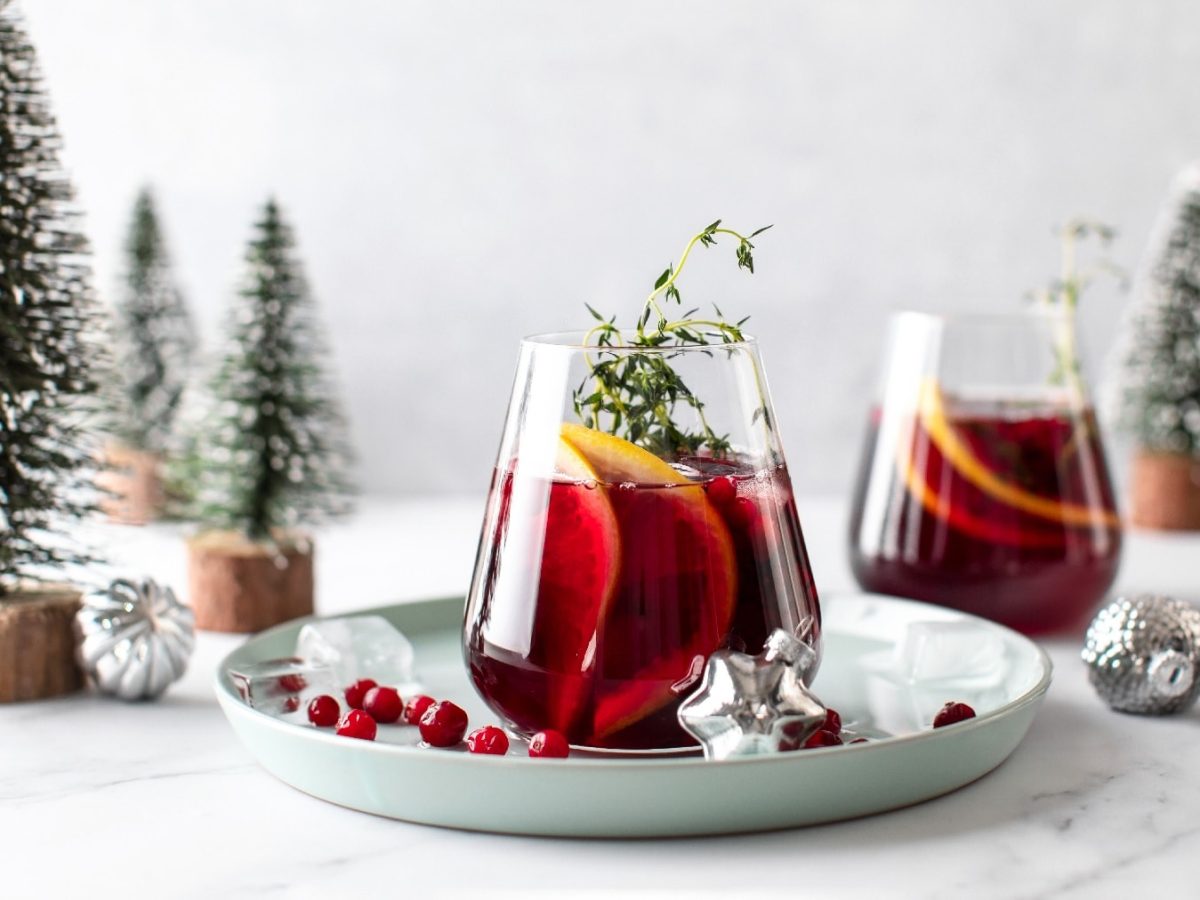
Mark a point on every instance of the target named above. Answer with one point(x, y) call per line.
point(1159, 380)
point(272, 453)
point(155, 342)
point(48, 361)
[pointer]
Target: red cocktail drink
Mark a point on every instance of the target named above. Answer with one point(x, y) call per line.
point(1002, 508)
point(601, 589)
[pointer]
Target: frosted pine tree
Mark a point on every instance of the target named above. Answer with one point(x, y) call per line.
point(154, 336)
point(47, 317)
point(274, 450)
point(1159, 382)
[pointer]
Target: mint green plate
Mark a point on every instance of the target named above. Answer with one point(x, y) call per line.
point(658, 797)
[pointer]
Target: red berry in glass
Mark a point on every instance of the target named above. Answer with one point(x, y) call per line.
point(443, 724)
point(415, 708)
point(357, 692)
point(951, 713)
point(550, 745)
point(357, 724)
point(488, 740)
point(383, 704)
point(323, 711)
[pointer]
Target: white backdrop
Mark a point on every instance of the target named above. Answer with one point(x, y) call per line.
point(460, 174)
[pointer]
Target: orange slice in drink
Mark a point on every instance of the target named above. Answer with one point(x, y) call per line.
point(581, 560)
point(931, 413)
point(678, 584)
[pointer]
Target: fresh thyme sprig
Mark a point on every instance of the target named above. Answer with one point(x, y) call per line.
point(633, 394)
point(1063, 294)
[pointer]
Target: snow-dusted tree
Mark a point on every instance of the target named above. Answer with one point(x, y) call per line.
point(47, 382)
point(1158, 383)
point(154, 335)
point(274, 451)
point(47, 316)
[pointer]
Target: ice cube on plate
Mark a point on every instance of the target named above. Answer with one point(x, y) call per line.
point(969, 654)
point(357, 647)
point(281, 687)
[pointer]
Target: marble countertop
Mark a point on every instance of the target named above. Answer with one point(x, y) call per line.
point(101, 798)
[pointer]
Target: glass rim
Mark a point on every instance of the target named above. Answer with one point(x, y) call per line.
point(573, 340)
point(1024, 314)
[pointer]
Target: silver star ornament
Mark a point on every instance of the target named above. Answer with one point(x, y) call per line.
point(753, 705)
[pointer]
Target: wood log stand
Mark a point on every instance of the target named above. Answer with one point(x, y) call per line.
point(1165, 491)
point(238, 585)
point(37, 643)
point(133, 482)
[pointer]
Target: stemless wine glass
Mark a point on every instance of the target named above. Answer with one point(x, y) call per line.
point(611, 565)
point(983, 484)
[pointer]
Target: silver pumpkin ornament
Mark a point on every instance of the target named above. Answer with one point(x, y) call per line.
point(134, 638)
point(1143, 654)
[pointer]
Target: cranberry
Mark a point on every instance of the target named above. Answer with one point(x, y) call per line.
point(722, 490)
point(323, 711)
point(822, 739)
point(832, 723)
point(549, 743)
point(291, 704)
point(383, 704)
point(415, 708)
point(357, 691)
point(291, 684)
point(357, 724)
point(745, 513)
point(953, 712)
point(488, 739)
point(443, 724)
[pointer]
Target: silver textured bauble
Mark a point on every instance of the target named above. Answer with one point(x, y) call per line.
point(750, 705)
point(1143, 654)
point(134, 638)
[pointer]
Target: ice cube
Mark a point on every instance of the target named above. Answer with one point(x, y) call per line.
point(357, 647)
point(969, 655)
point(281, 687)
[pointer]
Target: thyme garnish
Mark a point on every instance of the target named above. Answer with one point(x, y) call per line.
point(634, 395)
point(1064, 293)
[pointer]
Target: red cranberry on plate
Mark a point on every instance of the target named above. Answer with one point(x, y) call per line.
point(443, 724)
point(549, 744)
point(953, 712)
point(383, 704)
point(489, 739)
point(323, 711)
point(357, 724)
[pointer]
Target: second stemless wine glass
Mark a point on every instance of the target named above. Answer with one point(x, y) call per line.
point(983, 483)
point(610, 565)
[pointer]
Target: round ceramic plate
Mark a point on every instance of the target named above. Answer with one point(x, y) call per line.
point(889, 665)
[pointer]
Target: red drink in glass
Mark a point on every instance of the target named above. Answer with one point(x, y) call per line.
point(596, 604)
point(1001, 508)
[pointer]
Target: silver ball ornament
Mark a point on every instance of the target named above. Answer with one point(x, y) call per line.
point(1143, 654)
point(134, 638)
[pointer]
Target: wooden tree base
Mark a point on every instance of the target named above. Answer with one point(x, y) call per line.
point(133, 481)
point(37, 643)
point(1165, 491)
point(237, 585)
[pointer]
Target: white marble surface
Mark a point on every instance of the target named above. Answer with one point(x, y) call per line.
point(100, 798)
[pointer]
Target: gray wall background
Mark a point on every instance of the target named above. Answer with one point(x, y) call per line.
point(461, 174)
